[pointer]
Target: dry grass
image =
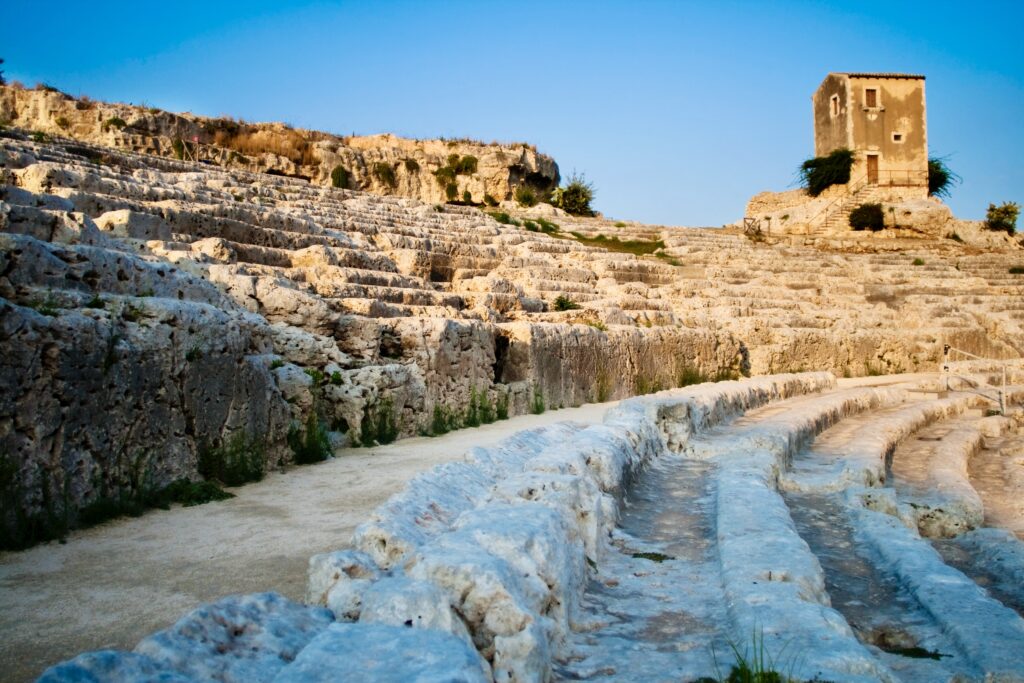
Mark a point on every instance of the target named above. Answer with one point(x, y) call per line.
point(251, 142)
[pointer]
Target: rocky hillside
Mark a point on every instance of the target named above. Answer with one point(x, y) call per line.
point(429, 170)
point(153, 310)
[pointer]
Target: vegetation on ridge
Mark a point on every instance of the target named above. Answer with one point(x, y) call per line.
point(820, 173)
point(1002, 217)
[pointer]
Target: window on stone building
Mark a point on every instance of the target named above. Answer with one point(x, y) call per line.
point(870, 97)
point(834, 106)
point(897, 137)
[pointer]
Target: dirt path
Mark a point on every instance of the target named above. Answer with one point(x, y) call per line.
point(109, 586)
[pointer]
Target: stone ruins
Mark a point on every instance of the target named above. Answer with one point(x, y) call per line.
point(165, 290)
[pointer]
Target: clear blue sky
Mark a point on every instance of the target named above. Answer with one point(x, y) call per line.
point(678, 112)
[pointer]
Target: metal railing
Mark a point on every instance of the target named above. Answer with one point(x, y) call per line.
point(949, 355)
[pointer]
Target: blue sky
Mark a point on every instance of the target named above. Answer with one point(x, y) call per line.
point(676, 111)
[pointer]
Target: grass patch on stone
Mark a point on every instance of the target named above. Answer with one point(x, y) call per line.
point(653, 557)
point(234, 462)
point(635, 247)
point(378, 426)
point(309, 442)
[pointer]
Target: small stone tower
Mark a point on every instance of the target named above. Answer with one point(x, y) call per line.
point(881, 117)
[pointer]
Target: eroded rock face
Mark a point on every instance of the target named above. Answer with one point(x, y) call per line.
point(276, 148)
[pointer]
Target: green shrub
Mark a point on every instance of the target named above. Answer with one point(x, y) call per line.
point(236, 461)
point(564, 303)
point(445, 175)
point(940, 179)
point(114, 122)
point(489, 200)
point(472, 418)
point(379, 426)
point(918, 262)
point(39, 136)
point(867, 217)
point(820, 173)
point(18, 528)
point(537, 404)
point(178, 147)
point(451, 191)
point(385, 173)
point(619, 224)
point(62, 122)
point(277, 363)
point(525, 196)
point(1002, 217)
point(467, 197)
point(465, 166)
point(309, 443)
point(95, 302)
point(412, 166)
point(1016, 270)
point(336, 378)
point(315, 375)
point(530, 225)
point(340, 177)
point(575, 196)
point(955, 237)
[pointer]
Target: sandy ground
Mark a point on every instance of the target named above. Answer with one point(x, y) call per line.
point(111, 585)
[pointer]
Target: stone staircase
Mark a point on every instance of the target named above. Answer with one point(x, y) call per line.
point(845, 522)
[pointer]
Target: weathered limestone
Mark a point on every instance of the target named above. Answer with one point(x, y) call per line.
point(282, 150)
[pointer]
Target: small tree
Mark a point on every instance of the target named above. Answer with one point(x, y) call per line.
point(575, 196)
point(1002, 217)
point(940, 179)
point(2, 81)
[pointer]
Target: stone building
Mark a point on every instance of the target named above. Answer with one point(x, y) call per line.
point(881, 117)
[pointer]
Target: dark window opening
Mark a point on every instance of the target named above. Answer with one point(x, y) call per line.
point(871, 97)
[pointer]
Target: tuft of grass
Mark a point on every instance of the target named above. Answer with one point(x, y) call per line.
point(39, 136)
point(237, 460)
point(502, 218)
point(276, 363)
point(635, 247)
point(547, 226)
point(340, 177)
point(653, 557)
point(537, 404)
point(598, 325)
point(95, 302)
point(193, 354)
point(501, 406)
point(379, 426)
point(47, 306)
point(564, 303)
point(309, 443)
point(918, 262)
